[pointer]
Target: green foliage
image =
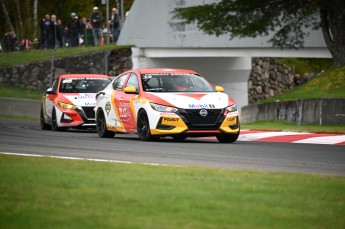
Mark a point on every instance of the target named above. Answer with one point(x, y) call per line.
point(52, 193)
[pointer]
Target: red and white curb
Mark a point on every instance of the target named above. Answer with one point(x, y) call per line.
point(292, 137)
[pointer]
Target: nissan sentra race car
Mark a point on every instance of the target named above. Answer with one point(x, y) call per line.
point(70, 102)
point(166, 102)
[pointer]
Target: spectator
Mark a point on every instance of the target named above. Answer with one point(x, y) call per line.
point(25, 44)
point(10, 41)
point(96, 22)
point(60, 30)
point(35, 43)
point(115, 25)
point(84, 26)
point(45, 31)
point(52, 32)
point(74, 30)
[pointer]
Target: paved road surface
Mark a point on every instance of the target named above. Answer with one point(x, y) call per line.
point(18, 136)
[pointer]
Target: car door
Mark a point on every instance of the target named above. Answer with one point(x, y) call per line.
point(112, 102)
point(125, 104)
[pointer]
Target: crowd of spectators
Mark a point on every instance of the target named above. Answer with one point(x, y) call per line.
point(75, 33)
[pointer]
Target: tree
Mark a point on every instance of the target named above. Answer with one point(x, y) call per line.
point(7, 17)
point(287, 19)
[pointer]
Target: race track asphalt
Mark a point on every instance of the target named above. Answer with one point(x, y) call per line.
point(25, 137)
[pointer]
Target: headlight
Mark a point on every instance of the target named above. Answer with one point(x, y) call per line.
point(162, 108)
point(231, 108)
point(66, 105)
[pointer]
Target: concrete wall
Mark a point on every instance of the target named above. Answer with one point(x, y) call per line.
point(20, 107)
point(325, 111)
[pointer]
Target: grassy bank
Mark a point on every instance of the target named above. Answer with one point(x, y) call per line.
point(329, 84)
point(25, 57)
point(20, 93)
point(56, 193)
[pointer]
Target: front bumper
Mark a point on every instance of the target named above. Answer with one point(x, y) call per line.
point(190, 123)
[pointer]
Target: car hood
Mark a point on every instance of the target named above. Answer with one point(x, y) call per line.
point(82, 99)
point(211, 100)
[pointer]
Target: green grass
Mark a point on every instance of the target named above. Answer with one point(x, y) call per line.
point(25, 57)
point(21, 93)
point(56, 193)
point(330, 84)
point(306, 65)
point(285, 126)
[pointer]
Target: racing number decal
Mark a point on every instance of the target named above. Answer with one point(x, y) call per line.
point(125, 111)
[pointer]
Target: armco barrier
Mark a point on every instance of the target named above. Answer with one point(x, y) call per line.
point(20, 107)
point(303, 111)
point(322, 111)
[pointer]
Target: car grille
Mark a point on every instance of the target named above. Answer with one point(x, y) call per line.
point(195, 121)
point(90, 113)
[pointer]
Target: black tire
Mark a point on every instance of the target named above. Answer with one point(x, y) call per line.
point(143, 127)
point(43, 124)
point(227, 138)
point(55, 126)
point(101, 126)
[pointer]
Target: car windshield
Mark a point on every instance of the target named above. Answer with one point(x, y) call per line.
point(175, 82)
point(83, 85)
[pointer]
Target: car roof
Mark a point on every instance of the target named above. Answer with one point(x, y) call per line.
point(84, 76)
point(165, 70)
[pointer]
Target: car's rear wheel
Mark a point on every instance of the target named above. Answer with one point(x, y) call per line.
point(143, 126)
point(43, 124)
point(227, 138)
point(101, 126)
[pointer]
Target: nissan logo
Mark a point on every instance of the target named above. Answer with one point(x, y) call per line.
point(203, 112)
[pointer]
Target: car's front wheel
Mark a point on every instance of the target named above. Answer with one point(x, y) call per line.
point(227, 138)
point(55, 126)
point(43, 124)
point(101, 126)
point(143, 126)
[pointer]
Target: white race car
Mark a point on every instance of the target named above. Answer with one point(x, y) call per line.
point(70, 102)
point(166, 102)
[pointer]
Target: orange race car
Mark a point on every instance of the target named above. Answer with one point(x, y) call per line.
point(166, 102)
point(70, 102)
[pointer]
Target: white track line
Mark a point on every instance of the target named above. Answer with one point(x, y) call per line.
point(87, 159)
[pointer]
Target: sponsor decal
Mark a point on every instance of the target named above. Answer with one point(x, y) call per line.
point(85, 97)
point(124, 111)
point(230, 119)
point(107, 107)
point(170, 119)
point(201, 106)
point(67, 81)
point(167, 114)
point(90, 104)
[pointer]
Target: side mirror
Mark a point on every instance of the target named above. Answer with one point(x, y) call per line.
point(130, 90)
point(219, 89)
point(50, 91)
